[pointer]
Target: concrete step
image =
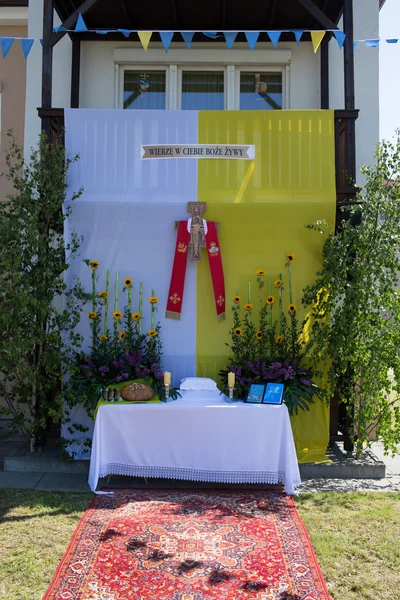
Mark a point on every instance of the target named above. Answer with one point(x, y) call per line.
point(37, 463)
point(368, 466)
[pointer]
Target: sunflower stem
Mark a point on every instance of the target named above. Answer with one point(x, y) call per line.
point(249, 292)
point(94, 290)
point(290, 282)
point(106, 305)
point(116, 292)
point(153, 307)
point(280, 306)
point(140, 306)
point(271, 305)
point(129, 299)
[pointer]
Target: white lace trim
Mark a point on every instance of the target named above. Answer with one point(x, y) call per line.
point(204, 475)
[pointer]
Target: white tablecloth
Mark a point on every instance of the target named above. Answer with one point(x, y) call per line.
point(199, 437)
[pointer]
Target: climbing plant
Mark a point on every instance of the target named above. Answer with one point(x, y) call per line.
point(355, 304)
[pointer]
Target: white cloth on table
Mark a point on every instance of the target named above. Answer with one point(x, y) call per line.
point(199, 437)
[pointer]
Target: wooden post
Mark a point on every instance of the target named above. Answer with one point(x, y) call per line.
point(325, 72)
point(47, 62)
point(75, 71)
point(349, 88)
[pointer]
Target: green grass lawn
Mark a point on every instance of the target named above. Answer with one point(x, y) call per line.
point(356, 538)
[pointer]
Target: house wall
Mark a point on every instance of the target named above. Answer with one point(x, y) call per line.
point(98, 74)
point(12, 98)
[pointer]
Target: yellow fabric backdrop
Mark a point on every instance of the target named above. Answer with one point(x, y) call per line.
point(262, 207)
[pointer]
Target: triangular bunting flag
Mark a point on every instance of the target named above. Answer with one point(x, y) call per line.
point(166, 38)
point(102, 31)
point(252, 37)
point(125, 32)
point(297, 34)
point(392, 40)
point(6, 44)
point(230, 37)
point(316, 38)
point(340, 37)
point(59, 28)
point(355, 44)
point(26, 46)
point(372, 43)
point(80, 24)
point(211, 34)
point(187, 37)
point(274, 37)
point(144, 37)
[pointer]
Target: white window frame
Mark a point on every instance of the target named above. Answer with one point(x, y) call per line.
point(208, 68)
point(143, 67)
point(260, 69)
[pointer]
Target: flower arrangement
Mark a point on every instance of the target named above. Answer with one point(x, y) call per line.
point(123, 352)
point(265, 348)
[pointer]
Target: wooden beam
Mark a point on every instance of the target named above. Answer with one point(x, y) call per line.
point(325, 72)
point(71, 21)
point(75, 71)
point(174, 14)
point(129, 24)
point(272, 14)
point(47, 62)
point(223, 19)
point(349, 88)
point(318, 14)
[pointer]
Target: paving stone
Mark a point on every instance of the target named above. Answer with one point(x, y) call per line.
point(63, 482)
point(27, 481)
point(325, 485)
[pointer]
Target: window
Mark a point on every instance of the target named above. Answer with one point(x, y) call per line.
point(230, 87)
point(202, 90)
point(260, 90)
point(145, 89)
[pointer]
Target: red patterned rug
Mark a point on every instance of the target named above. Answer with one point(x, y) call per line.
point(189, 545)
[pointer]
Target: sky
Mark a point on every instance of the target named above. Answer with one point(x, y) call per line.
point(389, 59)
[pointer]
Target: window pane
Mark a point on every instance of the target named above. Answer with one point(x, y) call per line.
point(202, 90)
point(144, 90)
point(260, 91)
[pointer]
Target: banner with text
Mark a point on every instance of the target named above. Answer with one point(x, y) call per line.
point(235, 151)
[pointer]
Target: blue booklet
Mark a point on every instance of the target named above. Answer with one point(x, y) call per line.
point(255, 394)
point(273, 393)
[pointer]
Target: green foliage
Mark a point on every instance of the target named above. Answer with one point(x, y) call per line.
point(36, 323)
point(356, 304)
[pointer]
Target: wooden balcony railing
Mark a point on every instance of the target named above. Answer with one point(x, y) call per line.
point(345, 152)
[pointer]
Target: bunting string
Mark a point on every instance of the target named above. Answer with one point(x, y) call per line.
point(187, 36)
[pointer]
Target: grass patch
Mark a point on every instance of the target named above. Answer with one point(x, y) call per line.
point(356, 537)
point(357, 541)
point(35, 528)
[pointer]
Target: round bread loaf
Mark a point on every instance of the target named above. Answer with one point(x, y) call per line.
point(137, 391)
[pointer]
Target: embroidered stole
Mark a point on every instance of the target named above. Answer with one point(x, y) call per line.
point(175, 296)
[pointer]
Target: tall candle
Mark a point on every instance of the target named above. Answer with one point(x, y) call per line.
point(231, 379)
point(167, 378)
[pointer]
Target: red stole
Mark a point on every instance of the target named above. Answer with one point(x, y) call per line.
point(175, 296)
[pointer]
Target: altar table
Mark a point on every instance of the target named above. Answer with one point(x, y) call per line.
point(200, 437)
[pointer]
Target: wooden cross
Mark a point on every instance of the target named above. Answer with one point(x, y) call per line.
point(197, 238)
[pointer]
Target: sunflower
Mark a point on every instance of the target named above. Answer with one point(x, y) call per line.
point(94, 264)
point(248, 307)
point(278, 283)
point(92, 315)
point(261, 273)
point(103, 294)
point(270, 300)
point(136, 316)
point(290, 257)
point(237, 331)
point(153, 300)
point(117, 314)
point(236, 299)
point(279, 339)
point(128, 282)
point(152, 333)
point(103, 337)
point(259, 335)
point(121, 335)
point(292, 308)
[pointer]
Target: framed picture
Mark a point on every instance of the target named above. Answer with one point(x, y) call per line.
point(256, 393)
point(273, 393)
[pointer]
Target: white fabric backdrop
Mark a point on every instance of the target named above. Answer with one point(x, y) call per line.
point(126, 216)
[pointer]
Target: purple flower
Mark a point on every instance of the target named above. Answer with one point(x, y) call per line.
point(115, 364)
point(119, 378)
point(306, 382)
point(121, 364)
point(290, 374)
point(104, 369)
point(125, 375)
point(142, 372)
point(90, 363)
point(89, 374)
